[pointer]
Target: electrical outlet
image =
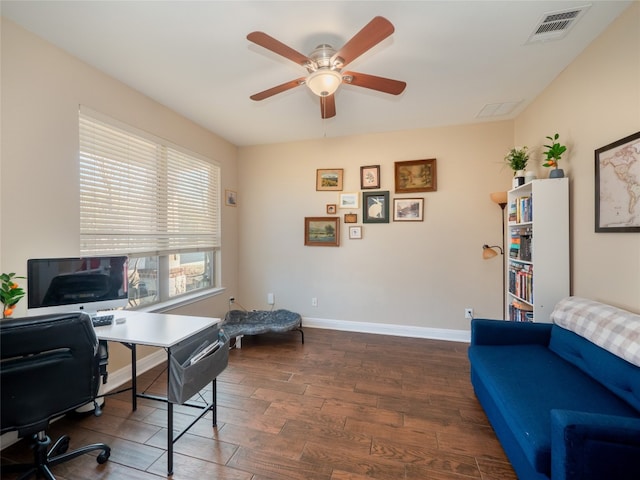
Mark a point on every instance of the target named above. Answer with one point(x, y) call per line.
point(314, 302)
point(271, 299)
point(468, 313)
point(231, 300)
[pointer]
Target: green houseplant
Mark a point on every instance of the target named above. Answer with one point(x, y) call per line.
point(517, 158)
point(10, 293)
point(553, 154)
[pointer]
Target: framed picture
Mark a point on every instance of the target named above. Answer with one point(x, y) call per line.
point(416, 176)
point(355, 232)
point(408, 209)
point(350, 218)
point(349, 200)
point(329, 179)
point(617, 175)
point(322, 231)
point(230, 198)
point(375, 207)
point(370, 177)
point(331, 209)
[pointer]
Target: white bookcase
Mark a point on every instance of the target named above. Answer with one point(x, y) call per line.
point(537, 249)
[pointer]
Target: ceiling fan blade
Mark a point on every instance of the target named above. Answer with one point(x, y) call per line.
point(276, 46)
point(278, 89)
point(328, 106)
point(381, 84)
point(371, 34)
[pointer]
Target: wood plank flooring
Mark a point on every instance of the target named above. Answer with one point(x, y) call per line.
point(343, 406)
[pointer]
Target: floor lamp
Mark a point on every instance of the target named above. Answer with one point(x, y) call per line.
point(488, 251)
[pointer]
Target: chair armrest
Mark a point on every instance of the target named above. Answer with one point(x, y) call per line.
point(500, 332)
point(590, 446)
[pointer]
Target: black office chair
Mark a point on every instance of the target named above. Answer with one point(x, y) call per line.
point(50, 365)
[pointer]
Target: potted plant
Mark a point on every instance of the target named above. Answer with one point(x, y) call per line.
point(553, 154)
point(10, 293)
point(517, 160)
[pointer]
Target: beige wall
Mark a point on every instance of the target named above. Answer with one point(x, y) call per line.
point(420, 274)
point(593, 103)
point(425, 274)
point(42, 88)
point(408, 274)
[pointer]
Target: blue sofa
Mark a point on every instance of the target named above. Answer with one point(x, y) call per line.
point(562, 406)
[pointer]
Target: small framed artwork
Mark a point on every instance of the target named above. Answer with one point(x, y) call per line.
point(408, 209)
point(416, 176)
point(355, 232)
point(331, 209)
point(375, 207)
point(230, 198)
point(349, 200)
point(322, 231)
point(616, 180)
point(350, 218)
point(329, 179)
point(370, 177)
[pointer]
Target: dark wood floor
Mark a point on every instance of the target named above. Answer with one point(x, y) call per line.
point(343, 406)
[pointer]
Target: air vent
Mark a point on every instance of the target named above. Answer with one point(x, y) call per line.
point(498, 109)
point(555, 25)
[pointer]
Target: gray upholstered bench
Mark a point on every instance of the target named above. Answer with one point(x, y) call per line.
point(239, 322)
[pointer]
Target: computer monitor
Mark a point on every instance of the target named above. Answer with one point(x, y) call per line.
point(90, 284)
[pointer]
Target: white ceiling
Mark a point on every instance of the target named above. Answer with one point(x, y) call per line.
point(193, 56)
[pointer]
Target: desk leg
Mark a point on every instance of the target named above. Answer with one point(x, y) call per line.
point(134, 375)
point(169, 438)
point(134, 378)
point(214, 402)
point(169, 420)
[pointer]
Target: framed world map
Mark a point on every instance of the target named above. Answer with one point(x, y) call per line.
point(618, 186)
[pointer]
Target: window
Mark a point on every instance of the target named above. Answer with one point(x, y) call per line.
point(142, 197)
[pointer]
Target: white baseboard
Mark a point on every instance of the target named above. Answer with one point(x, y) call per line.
point(389, 329)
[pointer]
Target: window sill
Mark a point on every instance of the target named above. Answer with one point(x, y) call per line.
point(180, 301)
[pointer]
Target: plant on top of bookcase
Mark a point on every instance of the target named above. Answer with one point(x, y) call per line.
point(553, 154)
point(517, 158)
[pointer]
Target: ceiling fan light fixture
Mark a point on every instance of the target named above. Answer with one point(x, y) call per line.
point(324, 82)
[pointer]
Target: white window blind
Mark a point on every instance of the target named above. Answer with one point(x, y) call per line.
point(139, 195)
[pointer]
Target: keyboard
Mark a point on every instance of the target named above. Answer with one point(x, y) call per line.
point(102, 320)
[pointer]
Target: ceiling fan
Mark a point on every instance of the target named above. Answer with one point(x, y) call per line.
point(324, 65)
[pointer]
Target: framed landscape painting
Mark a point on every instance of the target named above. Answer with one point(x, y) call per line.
point(416, 176)
point(329, 179)
point(349, 200)
point(322, 231)
point(408, 209)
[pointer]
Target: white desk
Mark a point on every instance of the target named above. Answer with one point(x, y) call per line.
point(158, 330)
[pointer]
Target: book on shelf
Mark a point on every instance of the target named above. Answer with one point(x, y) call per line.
point(521, 281)
point(521, 210)
point(520, 244)
point(514, 244)
point(525, 246)
point(513, 213)
point(520, 311)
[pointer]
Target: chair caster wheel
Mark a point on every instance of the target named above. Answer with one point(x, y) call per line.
point(103, 457)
